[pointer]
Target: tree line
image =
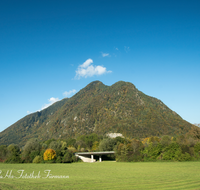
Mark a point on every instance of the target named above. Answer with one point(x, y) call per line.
point(166, 148)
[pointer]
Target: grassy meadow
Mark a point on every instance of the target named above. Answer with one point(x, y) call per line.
point(104, 175)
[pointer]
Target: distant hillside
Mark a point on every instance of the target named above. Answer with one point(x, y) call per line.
point(120, 108)
point(26, 127)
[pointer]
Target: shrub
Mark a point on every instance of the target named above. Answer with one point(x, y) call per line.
point(197, 147)
point(71, 149)
point(107, 144)
point(59, 159)
point(31, 150)
point(49, 154)
point(3, 153)
point(165, 141)
point(13, 155)
point(172, 152)
point(55, 145)
point(26, 159)
point(67, 158)
point(33, 154)
point(152, 151)
point(37, 159)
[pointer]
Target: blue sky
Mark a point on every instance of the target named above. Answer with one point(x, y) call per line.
point(51, 49)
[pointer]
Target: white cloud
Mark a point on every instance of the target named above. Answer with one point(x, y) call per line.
point(116, 48)
point(51, 101)
point(87, 70)
point(68, 93)
point(86, 63)
point(28, 112)
point(104, 54)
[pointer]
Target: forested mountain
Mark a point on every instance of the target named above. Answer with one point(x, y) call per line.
point(98, 108)
point(26, 127)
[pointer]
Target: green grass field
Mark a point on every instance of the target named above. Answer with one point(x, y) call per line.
point(105, 175)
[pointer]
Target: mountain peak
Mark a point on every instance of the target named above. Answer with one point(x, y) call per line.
point(96, 82)
point(123, 84)
point(94, 85)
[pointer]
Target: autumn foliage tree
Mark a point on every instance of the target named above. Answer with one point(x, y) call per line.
point(49, 154)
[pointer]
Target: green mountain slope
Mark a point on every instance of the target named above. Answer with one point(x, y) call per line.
point(26, 127)
point(101, 109)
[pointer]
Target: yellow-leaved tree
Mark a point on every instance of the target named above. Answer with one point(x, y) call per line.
point(49, 154)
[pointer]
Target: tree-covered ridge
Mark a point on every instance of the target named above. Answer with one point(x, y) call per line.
point(26, 127)
point(97, 108)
